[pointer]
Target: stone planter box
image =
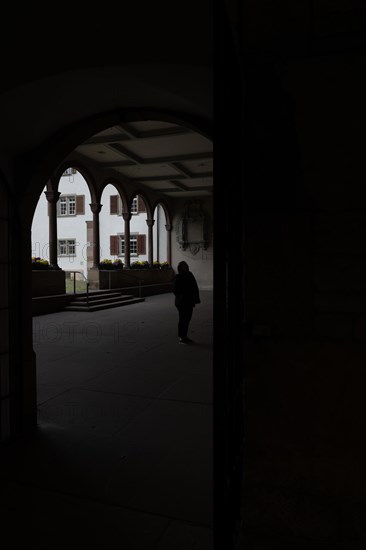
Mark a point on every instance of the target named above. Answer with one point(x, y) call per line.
point(48, 282)
point(105, 279)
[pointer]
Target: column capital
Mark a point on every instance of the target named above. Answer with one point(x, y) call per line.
point(150, 222)
point(126, 216)
point(168, 227)
point(95, 207)
point(52, 196)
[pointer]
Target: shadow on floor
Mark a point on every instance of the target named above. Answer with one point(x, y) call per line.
point(123, 448)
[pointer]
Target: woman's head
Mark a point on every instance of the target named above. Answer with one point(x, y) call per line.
point(182, 266)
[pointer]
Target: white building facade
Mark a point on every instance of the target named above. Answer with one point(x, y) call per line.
point(75, 227)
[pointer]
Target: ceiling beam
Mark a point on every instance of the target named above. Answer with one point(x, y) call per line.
point(121, 149)
point(104, 140)
point(157, 160)
point(154, 133)
point(155, 178)
point(175, 190)
point(180, 168)
point(163, 132)
point(181, 186)
point(121, 163)
point(128, 133)
point(171, 177)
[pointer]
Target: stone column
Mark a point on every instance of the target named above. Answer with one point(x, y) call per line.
point(169, 243)
point(96, 207)
point(52, 197)
point(23, 382)
point(150, 224)
point(127, 258)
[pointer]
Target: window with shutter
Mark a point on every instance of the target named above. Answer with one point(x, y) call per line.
point(67, 205)
point(80, 204)
point(114, 249)
point(140, 204)
point(133, 245)
point(141, 244)
point(113, 204)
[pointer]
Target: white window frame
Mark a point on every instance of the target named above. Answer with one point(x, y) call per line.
point(69, 244)
point(70, 201)
point(134, 206)
point(133, 244)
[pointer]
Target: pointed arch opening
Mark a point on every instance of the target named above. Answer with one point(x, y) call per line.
point(114, 203)
point(59, 234)
point(161, 236)
point(116, 361)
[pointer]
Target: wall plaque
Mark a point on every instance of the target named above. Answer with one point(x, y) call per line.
point(193, 227)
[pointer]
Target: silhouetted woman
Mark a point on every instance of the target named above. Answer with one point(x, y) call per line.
point(186, 297)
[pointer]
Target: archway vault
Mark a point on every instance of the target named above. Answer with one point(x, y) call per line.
point(164, 155)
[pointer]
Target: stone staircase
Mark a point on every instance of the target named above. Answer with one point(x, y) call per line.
point(101, 299)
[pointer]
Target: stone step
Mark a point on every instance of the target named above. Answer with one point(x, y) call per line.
point(95, 293)
point(97, 307)
point(101, 299)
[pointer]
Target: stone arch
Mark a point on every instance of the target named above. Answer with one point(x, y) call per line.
point(161, 233)
point(39, 168)
point(111, 220)
point(197, 124)
point(142, 229)
point(162, 203)
point(81, 191)
point(119, 187)
point(53, 182)
point(143, 195)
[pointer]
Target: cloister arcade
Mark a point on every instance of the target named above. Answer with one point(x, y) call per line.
point(151, 207)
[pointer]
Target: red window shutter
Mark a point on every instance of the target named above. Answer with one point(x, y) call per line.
point(141, 244)
point(140, 204)
point(80, 204)
point(114, 245)
point(113, 204)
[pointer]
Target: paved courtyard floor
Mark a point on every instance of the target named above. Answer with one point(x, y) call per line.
point(122, 456)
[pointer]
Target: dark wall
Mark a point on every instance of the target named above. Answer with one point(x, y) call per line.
point(39, 42)
point(305, 355)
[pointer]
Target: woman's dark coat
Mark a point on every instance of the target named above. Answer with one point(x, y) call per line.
point(186, 290)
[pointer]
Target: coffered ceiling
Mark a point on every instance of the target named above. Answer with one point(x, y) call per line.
point(167, 158)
